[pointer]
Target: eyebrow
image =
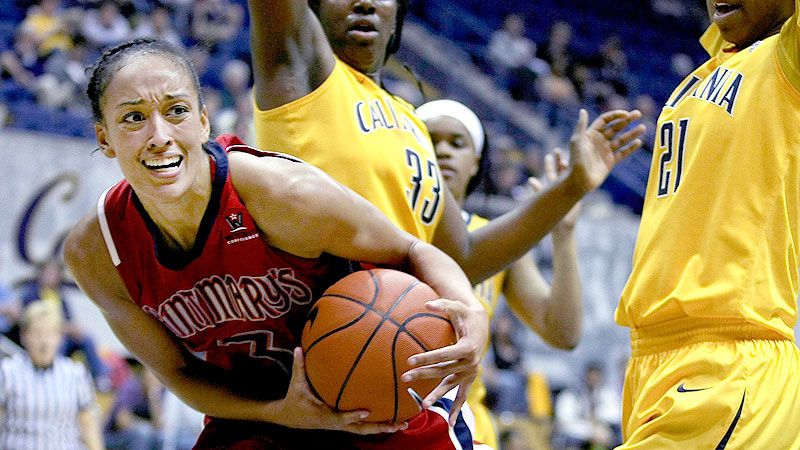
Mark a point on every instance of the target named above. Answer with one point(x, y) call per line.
point(179, 95)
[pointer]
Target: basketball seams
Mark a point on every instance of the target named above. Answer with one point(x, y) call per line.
point(363, 349)
point(394, 370)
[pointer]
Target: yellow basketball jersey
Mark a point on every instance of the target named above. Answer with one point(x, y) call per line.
point(366, 139)
point(719, 233)
point(488, 292)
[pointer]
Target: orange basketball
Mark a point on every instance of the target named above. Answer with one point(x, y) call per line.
point(360, 334)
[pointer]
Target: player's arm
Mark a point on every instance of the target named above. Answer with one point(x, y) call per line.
point(317, 214)
point(594, 151)
point(554, 312)
point(202, 386)
point(90, 430)
point(291, 54)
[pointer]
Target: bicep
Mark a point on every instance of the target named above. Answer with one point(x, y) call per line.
point(291, 54)
point(90, 263)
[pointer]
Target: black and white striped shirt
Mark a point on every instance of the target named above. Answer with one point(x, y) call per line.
point(40, 407)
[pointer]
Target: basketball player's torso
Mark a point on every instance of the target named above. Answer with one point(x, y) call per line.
point(719, 229)
point(233, 299)
point(367, 140)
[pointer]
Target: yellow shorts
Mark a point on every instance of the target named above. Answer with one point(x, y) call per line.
point(712, 393)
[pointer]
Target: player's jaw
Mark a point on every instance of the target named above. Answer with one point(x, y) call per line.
point(743, 22)
point(359, 31)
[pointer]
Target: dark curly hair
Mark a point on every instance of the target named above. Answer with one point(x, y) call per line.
point(109, 62)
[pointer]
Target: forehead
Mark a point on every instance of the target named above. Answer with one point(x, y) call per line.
point(446, 125)
point(147, 76)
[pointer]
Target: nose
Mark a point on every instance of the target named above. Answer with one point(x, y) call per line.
point(160, 134)
point(442, 150)
point(364, 6)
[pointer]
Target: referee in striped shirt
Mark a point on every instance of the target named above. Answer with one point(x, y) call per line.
point(46, 400)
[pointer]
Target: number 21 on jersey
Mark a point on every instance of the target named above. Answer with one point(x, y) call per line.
point(672, 143)
point(424, 169)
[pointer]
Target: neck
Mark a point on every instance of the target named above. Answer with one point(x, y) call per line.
point(179, 221)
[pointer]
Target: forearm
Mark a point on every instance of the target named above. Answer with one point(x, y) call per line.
point(441, 273)
point(507, 238)
point(564, 312)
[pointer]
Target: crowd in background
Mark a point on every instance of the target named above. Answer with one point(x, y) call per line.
point(44, 51)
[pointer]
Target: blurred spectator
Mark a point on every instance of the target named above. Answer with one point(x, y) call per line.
point(181, 10)
point(514, 439)
point(558, 47)
point(514, 58)
point(22, 63)
point(69, 72)
point(158, 24)
point(235, 83)
point(56, 388)
point(613, 64)
point(682, 64)
point(105, 26)
point(215, 21)
point(506, 382)
point(48, 27)
point(589, 416)
point(650, 111)
point(239, 119)
point(49, 288)
point(134, 419)
point(9, 315)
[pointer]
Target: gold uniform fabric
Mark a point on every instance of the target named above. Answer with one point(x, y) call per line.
point(366, 139)
point(712, 297)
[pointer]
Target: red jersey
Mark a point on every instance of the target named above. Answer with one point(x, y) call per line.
point(233, 299)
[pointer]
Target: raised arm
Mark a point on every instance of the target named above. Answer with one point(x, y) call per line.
point(594, 151)
point(291, 54)
point(319, 215)
point(554, 311)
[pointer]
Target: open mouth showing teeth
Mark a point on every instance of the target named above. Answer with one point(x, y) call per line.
point(163, 163)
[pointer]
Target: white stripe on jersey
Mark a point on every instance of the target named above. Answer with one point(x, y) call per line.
point(101, 216)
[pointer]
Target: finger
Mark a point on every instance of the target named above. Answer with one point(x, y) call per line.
point(535, 184)
point(627, 150)
point(550, 167)
point(374, 428)
point(603, 120)
point(454, 352)
point(583, 119)
point(299, 364)
point(350, 417)
point(438, 371)
point(561, 160)
point(461, 397)
point(445, 386)
point(627, 137)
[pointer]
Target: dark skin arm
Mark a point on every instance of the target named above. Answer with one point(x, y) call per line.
point(291, 54)
point(594, 151)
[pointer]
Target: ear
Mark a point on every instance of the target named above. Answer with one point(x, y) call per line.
point(102, 140)
point(205, 125)
point(476, 165)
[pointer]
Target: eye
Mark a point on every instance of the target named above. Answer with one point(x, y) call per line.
point(458, 142)
point(179, 110)
point(133, 117)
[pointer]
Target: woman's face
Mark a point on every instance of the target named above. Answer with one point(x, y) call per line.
point(743, 22)
point(455, 153)
point(42, 340)
point(154, 125)
point(359, 30)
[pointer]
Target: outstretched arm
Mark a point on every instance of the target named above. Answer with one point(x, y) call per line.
point(554, 311)
point(202, 386)
point(594, 151)
point(291, 54)
point(316, 215)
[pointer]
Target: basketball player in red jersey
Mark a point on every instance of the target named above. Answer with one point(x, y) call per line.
point(200, 252)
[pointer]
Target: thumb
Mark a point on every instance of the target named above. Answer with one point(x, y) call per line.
point(583, 121)
point(534, 183)
point(299, 364)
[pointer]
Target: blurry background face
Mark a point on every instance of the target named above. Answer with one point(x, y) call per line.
point(42, 340)
point(743, 22)
point(455, 153)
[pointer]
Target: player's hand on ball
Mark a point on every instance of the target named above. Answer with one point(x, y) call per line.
point(457, 364)
point(303, 410)
point(595, 150)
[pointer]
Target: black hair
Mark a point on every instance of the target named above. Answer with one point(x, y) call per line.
point(108, 64)
point(394, 42)
point(483, 164)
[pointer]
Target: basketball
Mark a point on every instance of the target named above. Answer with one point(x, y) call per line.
point(359, 336)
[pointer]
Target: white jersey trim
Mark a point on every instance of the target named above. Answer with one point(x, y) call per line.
point(101, 216)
